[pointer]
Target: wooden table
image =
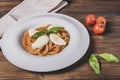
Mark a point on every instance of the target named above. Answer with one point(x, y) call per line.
point(108, 42)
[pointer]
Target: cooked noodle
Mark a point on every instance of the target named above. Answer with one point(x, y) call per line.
point(50, 48)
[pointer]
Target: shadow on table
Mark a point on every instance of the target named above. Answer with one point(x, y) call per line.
point(108, 28)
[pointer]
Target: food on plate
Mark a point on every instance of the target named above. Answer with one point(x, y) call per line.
point(45, 40)
point(90, 19)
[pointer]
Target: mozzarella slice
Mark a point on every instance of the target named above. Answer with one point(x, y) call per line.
point(57, 40)
point(32, 31)
point(51, 26)
point(40, 42)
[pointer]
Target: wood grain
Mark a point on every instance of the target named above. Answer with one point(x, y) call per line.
point(108, 42)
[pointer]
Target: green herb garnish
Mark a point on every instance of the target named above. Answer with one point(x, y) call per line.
point(109, 57)
point(54, 29)
point(37, 34)
point(94, 64)
point(45, 32)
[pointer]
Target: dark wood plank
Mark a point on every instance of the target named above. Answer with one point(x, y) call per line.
point(7, 5)
point(108, 42)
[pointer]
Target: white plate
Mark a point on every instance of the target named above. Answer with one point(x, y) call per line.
point(14, 52)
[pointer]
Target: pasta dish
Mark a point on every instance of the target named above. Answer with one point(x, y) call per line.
point(45, 40)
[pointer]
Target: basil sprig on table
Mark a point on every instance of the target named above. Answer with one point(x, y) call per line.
point(45, 32)
point(109, 57)
point(94, 63)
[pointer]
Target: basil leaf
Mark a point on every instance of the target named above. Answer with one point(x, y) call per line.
point(109, 57)
point(54, 29)
point(94, 64)
point(37, 34)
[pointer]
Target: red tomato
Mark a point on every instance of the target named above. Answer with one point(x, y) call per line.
point(101, 20)
point(98, 28)
point(90, 19)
